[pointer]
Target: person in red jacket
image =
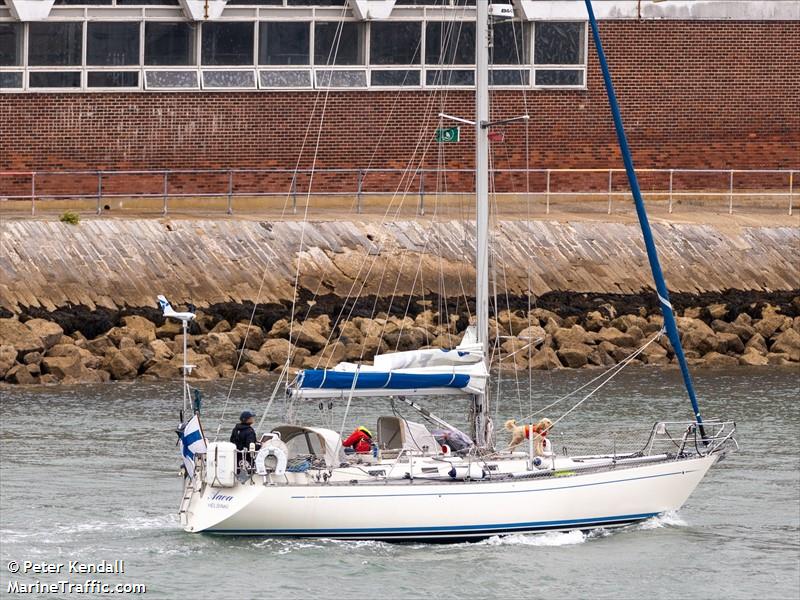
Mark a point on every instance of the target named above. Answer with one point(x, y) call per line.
point(360, 440)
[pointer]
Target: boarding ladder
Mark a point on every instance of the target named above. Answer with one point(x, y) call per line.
point(188, 491)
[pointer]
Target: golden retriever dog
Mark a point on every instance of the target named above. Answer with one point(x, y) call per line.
point(520, 433)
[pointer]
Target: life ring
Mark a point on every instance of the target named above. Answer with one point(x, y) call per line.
point(273, 448)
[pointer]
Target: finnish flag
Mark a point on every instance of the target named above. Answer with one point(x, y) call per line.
point(192, 442)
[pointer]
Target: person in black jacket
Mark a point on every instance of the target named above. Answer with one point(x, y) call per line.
point(243, 434)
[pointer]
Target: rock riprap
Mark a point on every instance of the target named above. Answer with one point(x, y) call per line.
point(38, 351)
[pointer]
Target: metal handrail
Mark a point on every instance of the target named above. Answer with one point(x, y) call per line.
point(360, 176)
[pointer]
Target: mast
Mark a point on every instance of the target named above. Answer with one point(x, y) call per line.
point(652, 254)
point(480, 402)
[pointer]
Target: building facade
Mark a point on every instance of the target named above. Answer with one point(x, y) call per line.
point(154, 84)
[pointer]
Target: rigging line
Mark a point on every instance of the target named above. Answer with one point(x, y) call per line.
point(355, 281)
point(522, 71)
point(358, 274)
point(349, 400)
point(397, 280)
point(311, 182)
point(241, 352)
point(528, 313)
point(389, 207)
point(445, 40)
point(622, 365)
point(295, 173)
point(363, 284)
point(441, 182)
point(421, 135)
point(494, 208)
point(409, 181)
point(618, 367)
point(271, 398)
point(319, 93)
point(502, 257)
point(347, 298)
point(417, 52)
point(266, 268)
point(413, 287)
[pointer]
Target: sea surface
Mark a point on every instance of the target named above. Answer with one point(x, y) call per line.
point(89, 474)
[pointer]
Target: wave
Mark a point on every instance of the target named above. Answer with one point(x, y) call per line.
point(668, 519)
point(58, 533)
point(550, 538)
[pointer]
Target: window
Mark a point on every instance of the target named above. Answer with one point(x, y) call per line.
point(138, 53)
point(338, 43)
point(284, 43)
point(396, 77)
point(558, 77)
point(456, 3)
point(112, 44)
point(54, 44)
point(55, 79)
point(228, 43)
point(175, 80)
point(341, 79)
point(510, 45)
point(509, 77)
point(110, 79)
point(229, 79)
point(11, 80)
point(449, 77)
point(559, 44)
point(451, 42)
point(279, 79)
point(395, 43)
point(169, 44)
point(316, 2)
point(148, 2)
point(10, 44)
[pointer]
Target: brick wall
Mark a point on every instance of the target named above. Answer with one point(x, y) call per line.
point(694, 94)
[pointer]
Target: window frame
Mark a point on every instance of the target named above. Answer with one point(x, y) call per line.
point(582, 67)
point(307, 75)
point(195, 27)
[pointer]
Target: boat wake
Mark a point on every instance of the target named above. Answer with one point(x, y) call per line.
point(669, 519)
point(551, 538)
point(60, 533)
point(287, 546)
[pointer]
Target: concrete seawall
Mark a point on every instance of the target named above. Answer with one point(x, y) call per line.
point(115, 263)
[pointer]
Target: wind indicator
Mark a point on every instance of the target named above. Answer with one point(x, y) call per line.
point(184, 317)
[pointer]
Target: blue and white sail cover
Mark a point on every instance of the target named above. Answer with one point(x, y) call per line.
point(416, 372)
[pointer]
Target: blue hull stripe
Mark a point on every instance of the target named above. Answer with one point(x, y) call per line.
point(547, 489)
point(487, 529)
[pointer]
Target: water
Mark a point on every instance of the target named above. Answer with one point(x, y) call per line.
point(88, 473)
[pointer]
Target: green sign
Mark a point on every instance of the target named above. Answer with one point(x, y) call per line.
point(447, 135)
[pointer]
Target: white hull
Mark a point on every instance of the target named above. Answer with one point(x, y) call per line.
point(447, 510)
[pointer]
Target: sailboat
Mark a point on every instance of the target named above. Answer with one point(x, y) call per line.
point(415, 485)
